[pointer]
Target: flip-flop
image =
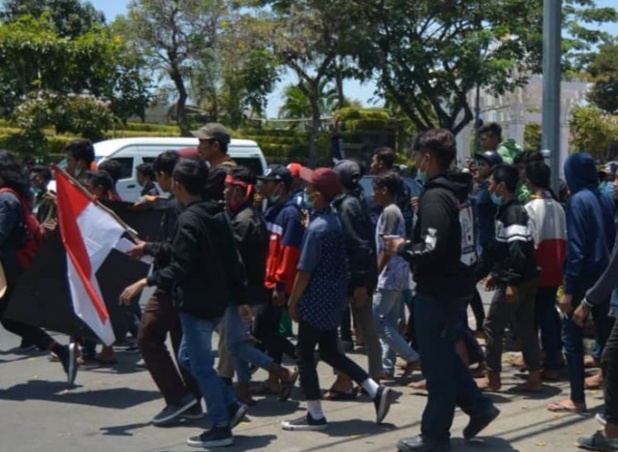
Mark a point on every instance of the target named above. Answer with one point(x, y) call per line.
point(335, 395)
point(560, 407)
point(285, 387)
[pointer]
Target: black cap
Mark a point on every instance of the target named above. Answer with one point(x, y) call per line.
point(277, 173)
point(491, 157)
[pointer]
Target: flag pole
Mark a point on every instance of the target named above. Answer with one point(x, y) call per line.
point(80, 187)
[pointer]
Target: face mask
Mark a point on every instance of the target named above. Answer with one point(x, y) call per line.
point(308, 202)
point(36, 190)
point(496, 199)
point(421, 176)
point(275, 197)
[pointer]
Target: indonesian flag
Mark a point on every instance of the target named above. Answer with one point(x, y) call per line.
point(88, 233)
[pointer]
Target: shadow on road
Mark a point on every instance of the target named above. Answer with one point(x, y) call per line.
point(57, 392)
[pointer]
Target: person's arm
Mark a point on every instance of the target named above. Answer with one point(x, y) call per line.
point(435, 215)
point(576, 245)
point(520, 243)
point(9, 216)
point(291, 239)
point(606, 283)
point(185, 254)
point(361, 256)
point(300, 285)
point(388, 226)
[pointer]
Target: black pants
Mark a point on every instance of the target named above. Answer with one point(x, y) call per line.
point(266, 330)
point(476, 303)
point(308, 338)
point(31, 334)
point(609, 366)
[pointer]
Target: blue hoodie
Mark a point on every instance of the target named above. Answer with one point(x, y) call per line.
point(590, 223)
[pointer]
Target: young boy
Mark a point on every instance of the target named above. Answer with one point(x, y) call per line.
point(514, 274)
point(394, 277)
point(318, 300)
point(146, 180)
point(203, 251)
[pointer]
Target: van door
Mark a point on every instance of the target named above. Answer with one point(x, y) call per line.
point(127, 186)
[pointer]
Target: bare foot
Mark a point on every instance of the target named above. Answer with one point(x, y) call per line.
point(594, 382)
point(590, 362)
point(480, 371)
point(566, 406)
point(486, 384)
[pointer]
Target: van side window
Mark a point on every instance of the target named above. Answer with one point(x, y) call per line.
point(126, 163)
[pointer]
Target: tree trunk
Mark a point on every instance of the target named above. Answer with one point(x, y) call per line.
point(339, 88)
point(179, 82)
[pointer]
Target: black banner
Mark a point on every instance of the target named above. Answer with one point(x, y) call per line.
point(42, 296)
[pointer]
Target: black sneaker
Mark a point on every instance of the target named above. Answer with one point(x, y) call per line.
point(171, 412)
point(480, 421)
point(305, 423)
point(68, 358)
point(382, 403)
point(236, 413)
point(215, 437)
point(195, 412)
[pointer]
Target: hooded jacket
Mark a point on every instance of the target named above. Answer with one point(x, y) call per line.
point(205, 273)
point(590, 223)
point(437, 252)
point(358, 232)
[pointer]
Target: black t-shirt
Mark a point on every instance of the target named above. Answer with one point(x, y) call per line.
point(216, 181)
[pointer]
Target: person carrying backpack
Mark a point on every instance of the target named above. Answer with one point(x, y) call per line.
point(20, 238)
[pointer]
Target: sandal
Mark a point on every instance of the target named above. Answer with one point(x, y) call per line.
point(561, 407)
point(336, 395)
point(286, 386)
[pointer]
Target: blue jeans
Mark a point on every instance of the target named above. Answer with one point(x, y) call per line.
point(195, 354)
point(240, 345)
point(573, 342)
point(449, 381)
point(386, 310)
point(548, 321)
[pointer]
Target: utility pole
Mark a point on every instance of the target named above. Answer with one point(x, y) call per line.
point(552, 78)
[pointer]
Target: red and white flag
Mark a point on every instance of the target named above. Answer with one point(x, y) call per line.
point(88, 233)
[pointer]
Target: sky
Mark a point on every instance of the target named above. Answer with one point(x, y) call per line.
point(352, 88)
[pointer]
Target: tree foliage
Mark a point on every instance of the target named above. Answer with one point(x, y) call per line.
point(594, 132)
point(428, 55)
point(604, 69)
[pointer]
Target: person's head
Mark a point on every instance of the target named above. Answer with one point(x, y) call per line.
point(239, 187)
point(163, 168)
point(538, 176)
point(39, 178)
point(487, 161)
point(189, 178)
point(99, 184)
point(490, 136)
point(385, 187)
point(145, 174)
point(502, 183)
point(276, 183)
point(80, 155)
point(521, 161)
point(12, 174)
point(113, 168)
point(349, 172)
point(534, 156)
point(323, 185)
point(214, 141)
point(297, 182)
point(383, 160)
point(434, 151)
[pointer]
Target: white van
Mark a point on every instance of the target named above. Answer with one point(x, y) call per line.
point(131, 152)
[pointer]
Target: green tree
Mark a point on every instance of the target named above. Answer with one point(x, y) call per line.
point(296, 105)
point(70, 18)
point(594, 132)
point(604, 69)
point(173, 36)
point(429, 55)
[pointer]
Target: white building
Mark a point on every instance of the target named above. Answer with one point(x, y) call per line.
point(523, 106)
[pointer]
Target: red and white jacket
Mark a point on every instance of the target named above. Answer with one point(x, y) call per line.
point(549, 232)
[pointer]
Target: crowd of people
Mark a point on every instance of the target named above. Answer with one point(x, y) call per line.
point(223, 264)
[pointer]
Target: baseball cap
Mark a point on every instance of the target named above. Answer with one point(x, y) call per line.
point(492, 157)
point(277, 173)
point(295, 169)
point(212, 131)
point(349, 172)
point(325, 180)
